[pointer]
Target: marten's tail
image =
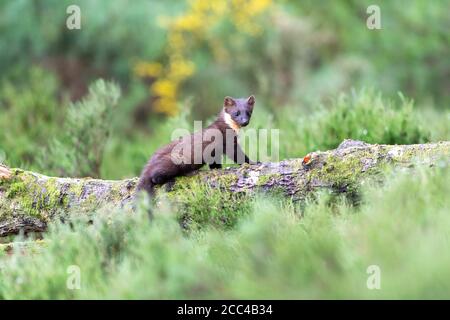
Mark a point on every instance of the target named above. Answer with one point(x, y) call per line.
point(147, 185)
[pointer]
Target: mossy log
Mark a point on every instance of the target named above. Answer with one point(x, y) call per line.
point(29, 200)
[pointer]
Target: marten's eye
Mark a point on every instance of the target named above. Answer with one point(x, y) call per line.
point(237, 113)
point(249, 113)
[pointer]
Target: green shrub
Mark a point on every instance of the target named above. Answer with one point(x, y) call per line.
point(408, 54)
point(44, 35)
point(29, 114)
point(366, 116)
point(362, 115)
point(82, 138)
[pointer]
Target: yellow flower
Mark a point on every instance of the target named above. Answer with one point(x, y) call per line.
point(164, 88)
point(146, 69)
point(181, 69)
point(219, 8)
point(246, 13)
point(189, 22)
point(191, 29)
point(201, 5)
point(166, 105)
point(256, 7)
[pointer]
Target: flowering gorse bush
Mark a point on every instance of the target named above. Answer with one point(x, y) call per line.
point(194, 29)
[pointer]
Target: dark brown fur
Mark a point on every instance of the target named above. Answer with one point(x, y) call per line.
point(161, 168)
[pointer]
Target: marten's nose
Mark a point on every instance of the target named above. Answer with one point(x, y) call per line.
point(245, 122)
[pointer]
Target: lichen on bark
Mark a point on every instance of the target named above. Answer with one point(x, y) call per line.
point(29, 200)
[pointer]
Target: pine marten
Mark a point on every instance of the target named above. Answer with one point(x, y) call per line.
point(207, 146)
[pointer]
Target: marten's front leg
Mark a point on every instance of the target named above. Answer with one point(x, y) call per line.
point(238, 155)
point(215, 166)
point(215, 163)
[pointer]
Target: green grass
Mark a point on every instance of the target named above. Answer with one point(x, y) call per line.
point(278, 249)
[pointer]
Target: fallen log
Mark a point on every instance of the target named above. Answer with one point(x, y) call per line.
point(29, 200)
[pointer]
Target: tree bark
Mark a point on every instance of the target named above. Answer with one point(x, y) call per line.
point(29, 200)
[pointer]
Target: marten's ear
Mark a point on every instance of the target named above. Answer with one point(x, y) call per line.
point(251, 101)
point(229, 102)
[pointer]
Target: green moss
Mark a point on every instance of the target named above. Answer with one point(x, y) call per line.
point(200, 204)
point(90, 203)
point(338, 171)
point(14, 188)
point(400, 154)
point(116, 191)
point(227, 180)
point(266, 178)
point(53, 197)
point(34, 199)
point(17, 171)
point(183, 181)
point(76, 189)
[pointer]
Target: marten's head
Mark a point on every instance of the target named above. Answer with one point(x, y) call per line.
point(237, 112)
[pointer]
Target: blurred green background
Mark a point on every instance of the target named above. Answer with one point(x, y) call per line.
point(318, 74)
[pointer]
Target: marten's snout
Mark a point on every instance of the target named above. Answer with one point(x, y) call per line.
point(243, 118)
point(240, 110)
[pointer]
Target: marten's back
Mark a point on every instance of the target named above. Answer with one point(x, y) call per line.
point(179, 157)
